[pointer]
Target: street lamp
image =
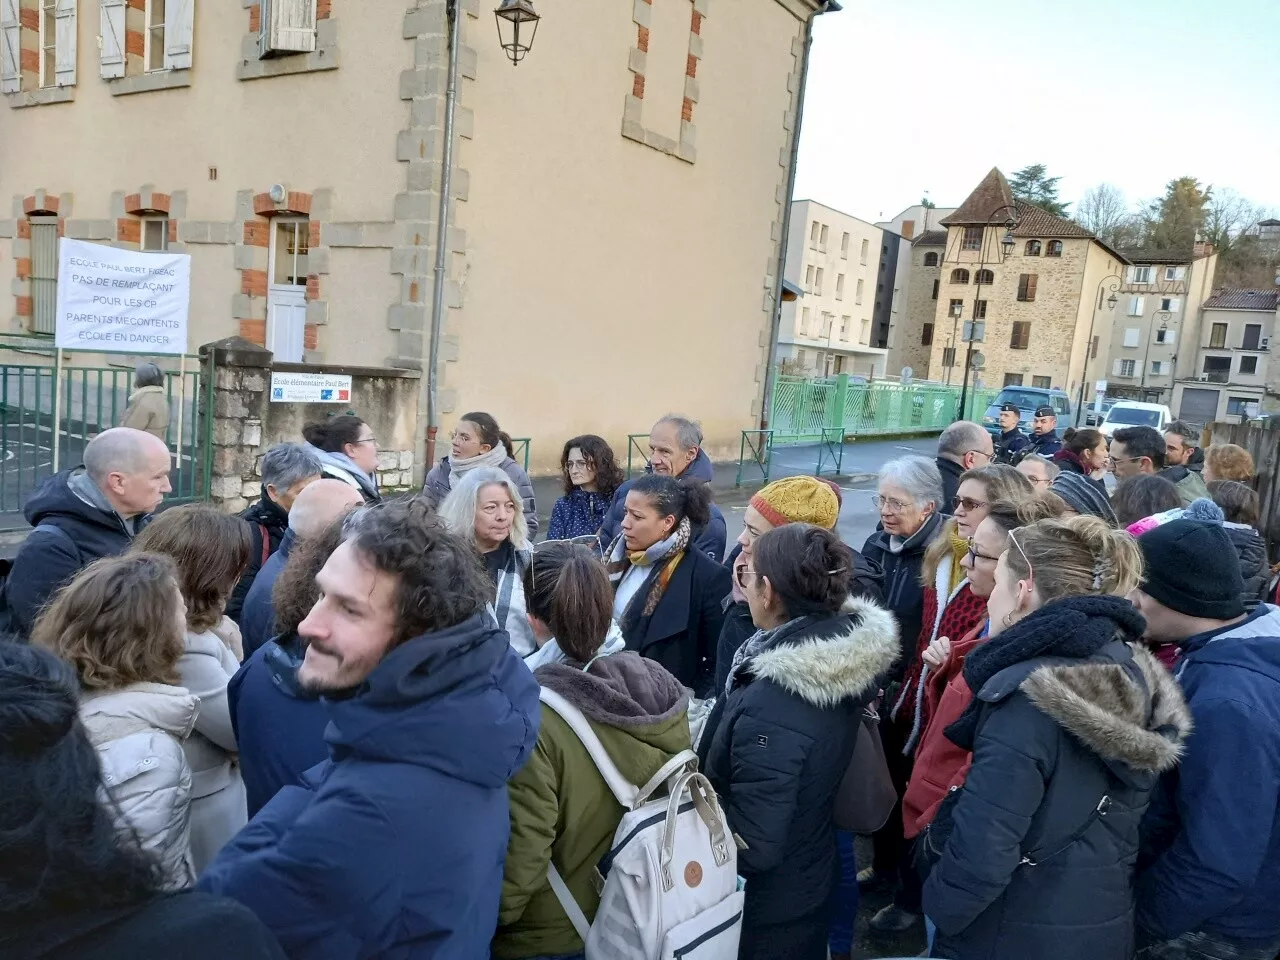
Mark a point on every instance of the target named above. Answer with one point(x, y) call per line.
point(515, 17)
point(1111, 302)
point(1006, 243)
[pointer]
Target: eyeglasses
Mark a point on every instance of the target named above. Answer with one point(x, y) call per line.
point(975, 556)
point(1113, 460)
point(577, 464)
point(981, 453)
point(1031, 572)
point(366, 440)
point(891, 504)
point(968, 503)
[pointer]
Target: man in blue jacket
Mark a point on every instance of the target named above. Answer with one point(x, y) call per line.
point(675, 450)
point(1209, 875)
point(394, 846)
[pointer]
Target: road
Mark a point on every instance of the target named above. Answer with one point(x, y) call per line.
point(857, 484)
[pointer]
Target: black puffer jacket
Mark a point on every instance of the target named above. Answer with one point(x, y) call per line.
point(1252, 550)
point(1054, 737)
point(903, 588)
point(265, 516)
point(780, 744)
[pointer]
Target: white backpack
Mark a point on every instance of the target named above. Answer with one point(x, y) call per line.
point(671, 876)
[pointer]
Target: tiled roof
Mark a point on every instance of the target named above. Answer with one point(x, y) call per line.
point(931, 238)
point(1245, 300)
point(990, 199)
point(1035, 222)
point(1159, 256)
point(1273, 222)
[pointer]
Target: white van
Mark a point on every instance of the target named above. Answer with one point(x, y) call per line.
point(1132, 413)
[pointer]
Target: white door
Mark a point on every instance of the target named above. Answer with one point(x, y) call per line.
point(287, 289)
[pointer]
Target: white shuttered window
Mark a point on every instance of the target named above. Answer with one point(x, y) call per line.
point(64, 43)
point(10, 47)
point(288, 26)
point(111, 37)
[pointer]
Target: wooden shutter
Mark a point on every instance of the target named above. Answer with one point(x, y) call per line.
point(65, 38)
point(10, 47)
point(111, 30)
point(1031, 286)
point(180, 17)
point(289, 26)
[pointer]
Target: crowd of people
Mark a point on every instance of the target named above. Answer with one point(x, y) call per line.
point(339, 725)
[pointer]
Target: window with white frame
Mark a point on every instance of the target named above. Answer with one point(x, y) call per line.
point(1125, 368)
point(1139, 274)
point(153, 37)
point(839, 286)
point(1165, 335)
point(1249, 366)
point(1171, 304)
point(857, 295)
point(1157, 367)
point(1137, 306)
point(1131, 336)
point(1175, 273)
point(822, 239)
point(844, 247)
point(48, 42)
point(862, 254)
point(155, 234)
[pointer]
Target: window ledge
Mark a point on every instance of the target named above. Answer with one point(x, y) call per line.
point(324, 57)
point(38, 98)
point(146, 82)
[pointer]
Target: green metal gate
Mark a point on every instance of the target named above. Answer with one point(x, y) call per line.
point(88, 399)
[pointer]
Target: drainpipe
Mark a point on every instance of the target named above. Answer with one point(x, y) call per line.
point(770, 368)
point(442, 237)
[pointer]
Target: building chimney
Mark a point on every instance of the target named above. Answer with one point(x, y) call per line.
point(1202, 249)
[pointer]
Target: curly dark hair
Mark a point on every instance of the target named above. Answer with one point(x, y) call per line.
point(809, 568)
point(599, 456)
point(676, 497)
point(211, 550)
point(295, 591)
point(60, 853)
point(442, 581)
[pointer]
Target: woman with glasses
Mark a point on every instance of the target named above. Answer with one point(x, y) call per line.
point(563, 815)
point(590, 480)
point(950, 609)
point(478, 442)
point(348, 451)
point(1072, 724)
point(485, 509)
point(668, 598)
point(782, 734)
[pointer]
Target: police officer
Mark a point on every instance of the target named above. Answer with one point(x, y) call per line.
point(1012, 439)
point(1044, 434)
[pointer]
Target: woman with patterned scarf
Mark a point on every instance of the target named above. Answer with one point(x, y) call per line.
point(667, 598)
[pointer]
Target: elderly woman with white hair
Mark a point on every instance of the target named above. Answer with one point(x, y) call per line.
point(148, 407)
point(909, 498)
point(486, 508)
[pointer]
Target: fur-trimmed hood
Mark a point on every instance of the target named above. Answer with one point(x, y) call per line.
point(827, 669)
point(1143, 726)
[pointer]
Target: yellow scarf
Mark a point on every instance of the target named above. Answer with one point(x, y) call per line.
point(959, 547)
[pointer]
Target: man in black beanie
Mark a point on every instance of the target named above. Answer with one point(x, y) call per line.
point(1209, 870)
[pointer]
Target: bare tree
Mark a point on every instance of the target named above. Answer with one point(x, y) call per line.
point(1227, 218)
point(1104, 211)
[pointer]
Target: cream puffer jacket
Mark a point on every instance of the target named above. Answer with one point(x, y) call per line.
point(138, 732)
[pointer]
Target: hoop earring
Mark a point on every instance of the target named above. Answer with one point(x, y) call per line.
point(1007, 620)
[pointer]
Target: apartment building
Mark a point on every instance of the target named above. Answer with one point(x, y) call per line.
point(1231, 348)
point(1022, 283)
point(294, 147)
point(1148, 339)
point(842, 265)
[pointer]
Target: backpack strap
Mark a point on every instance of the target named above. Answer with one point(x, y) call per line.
point(624, 790)
point(570, 905)
point(266, 545)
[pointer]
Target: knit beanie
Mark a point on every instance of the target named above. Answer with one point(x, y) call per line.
point(1192, 568)
point(798, 500)
point(1201, 508)
point(1084, 496)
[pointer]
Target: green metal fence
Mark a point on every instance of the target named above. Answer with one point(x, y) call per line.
point(805, 411)
point(42, 406)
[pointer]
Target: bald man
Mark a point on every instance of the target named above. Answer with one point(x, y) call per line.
point(84, 514)
point(315, 507)
point(279, 726)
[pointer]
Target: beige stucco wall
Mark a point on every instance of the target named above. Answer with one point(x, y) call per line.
point(905, 348)
point(605, 282)
point(1059, 316)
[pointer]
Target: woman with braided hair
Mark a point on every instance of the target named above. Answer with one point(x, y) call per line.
point(1071, 725)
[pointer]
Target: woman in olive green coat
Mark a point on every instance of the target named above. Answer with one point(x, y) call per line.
point(562, 811)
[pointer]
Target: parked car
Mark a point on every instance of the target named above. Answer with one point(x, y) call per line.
point(1094, 418)
point(1134, 413)
point(1027, 400)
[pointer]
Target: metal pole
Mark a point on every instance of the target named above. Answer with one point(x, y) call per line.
point(442, 236)
point(775, 322)
point(57, 411)
point(1084, 374)
point(182, 390)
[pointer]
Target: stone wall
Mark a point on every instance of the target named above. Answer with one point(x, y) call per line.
point(246, 423)
point(905, 347)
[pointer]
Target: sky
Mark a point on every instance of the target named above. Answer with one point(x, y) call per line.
point(908, 96)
